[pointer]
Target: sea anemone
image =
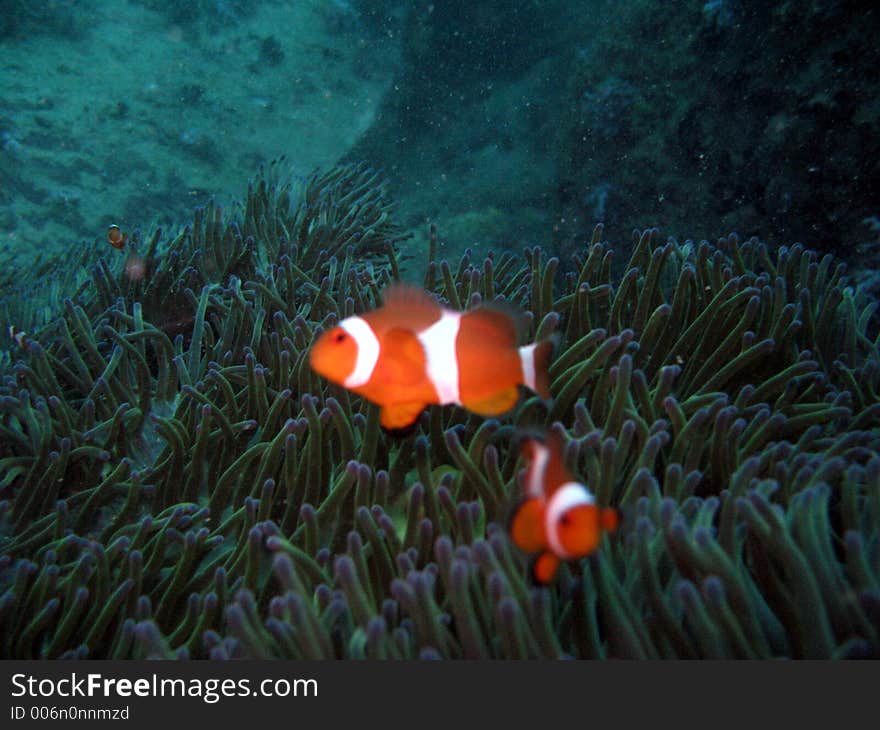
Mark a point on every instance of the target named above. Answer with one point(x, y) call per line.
point(177, 482)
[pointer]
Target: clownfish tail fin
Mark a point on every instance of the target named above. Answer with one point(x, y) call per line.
point(526, 526)
point(609, 519)
point(535, 359)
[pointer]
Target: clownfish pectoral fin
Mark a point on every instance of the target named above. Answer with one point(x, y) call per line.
point(544, 568)
point(527, 526)
point(493, 405)
point(403, 357)
point(400, 415)
point(528, 441)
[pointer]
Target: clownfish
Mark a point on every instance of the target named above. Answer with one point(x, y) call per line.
point(18, 336)
point(116, 237)
point(412, 352)
point(558, 519)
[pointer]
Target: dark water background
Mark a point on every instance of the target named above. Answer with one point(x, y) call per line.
point(506, 123)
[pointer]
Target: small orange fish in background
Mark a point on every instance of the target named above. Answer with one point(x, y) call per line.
point(412, 352)
point(116, 237)
point(559, 518)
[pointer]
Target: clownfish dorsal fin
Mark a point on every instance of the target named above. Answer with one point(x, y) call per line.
point(528, 439)
point(499, 324)
point(535, 454)
point(401, 294)
point(399, 415)
point(556, 473)
point(407, 307)
point(495, 404)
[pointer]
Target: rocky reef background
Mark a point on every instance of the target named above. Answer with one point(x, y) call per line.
point(504, 123)
point(532, 121)
point(134, 112)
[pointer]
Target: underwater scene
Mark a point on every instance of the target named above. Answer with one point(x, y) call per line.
point(392, 329)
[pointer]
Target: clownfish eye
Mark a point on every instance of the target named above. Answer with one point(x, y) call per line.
point(340, 337)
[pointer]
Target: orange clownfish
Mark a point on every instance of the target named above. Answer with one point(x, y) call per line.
point(559, 518)
point(412, 352)
point(116, 237)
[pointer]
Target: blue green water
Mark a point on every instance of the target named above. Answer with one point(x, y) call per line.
point(166, 449)
point(506, 123)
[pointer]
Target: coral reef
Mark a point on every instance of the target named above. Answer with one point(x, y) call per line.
point(744, 115)
point(738, 121)
point(193, 92)
point(176, 482)
point(213, 13)
point(21, 18)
